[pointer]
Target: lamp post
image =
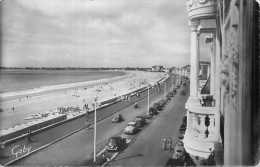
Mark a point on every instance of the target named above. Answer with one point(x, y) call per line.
point(95, 128)
point(165, 89)
point(148, 100)
point(172, 82)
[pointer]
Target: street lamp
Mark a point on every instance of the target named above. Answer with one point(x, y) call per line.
point(165, 88)
point(172, 82)
point(95, 128)
point(148, 100)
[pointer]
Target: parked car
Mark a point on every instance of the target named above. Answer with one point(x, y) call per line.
point(183, 93)
point(140, 121)
point(179, 151)
point(180, 143)
point(130, 128)
point(171, 94)
point(184, 84)
point(157, 106)
point(117, 118)
point(152, 111)
point(162, 102)
point(182, 129)
point(168, 97)
point(180, 137)
point(184, 120)
point(116, 143)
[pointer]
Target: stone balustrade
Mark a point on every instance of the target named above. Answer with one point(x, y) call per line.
point(202, 128)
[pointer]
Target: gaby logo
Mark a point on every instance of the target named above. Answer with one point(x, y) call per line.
point(17, 150)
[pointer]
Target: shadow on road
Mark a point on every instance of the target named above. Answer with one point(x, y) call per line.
point(138, 155)
point(165, 115)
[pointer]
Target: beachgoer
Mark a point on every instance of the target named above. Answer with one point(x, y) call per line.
point(13, 109)
point(164, 143)
point(170, 143)
point(136, 104)
point(29, 135)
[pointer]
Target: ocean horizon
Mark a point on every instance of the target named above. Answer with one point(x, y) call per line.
point(25, 79)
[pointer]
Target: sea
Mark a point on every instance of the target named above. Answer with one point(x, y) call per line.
point(22, 79)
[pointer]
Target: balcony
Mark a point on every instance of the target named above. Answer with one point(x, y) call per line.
point(201, 9)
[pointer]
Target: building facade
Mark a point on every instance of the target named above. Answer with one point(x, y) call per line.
point(230, 123)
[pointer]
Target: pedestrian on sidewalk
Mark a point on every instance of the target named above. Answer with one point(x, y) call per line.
point(29, 135)
point(87, 114)
point(164, 143)
point(87, 125)
point(170, 144)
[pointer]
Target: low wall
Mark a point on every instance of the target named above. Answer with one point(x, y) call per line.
point(34, 125)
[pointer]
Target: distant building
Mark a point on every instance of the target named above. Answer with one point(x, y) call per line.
point(157, 68)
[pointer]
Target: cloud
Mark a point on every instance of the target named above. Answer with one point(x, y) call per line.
point(117, 33)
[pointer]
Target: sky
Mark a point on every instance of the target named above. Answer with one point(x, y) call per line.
point(94, 33)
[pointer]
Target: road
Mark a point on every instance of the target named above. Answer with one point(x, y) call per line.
point(146, 149)
point(78, 147)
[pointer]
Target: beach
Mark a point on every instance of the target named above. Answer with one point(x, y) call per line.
point(50, 98)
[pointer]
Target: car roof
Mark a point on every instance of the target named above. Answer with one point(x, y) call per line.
point(115, 137)
point(131, 123)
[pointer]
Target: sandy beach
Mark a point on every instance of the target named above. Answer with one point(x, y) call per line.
point(49, 98)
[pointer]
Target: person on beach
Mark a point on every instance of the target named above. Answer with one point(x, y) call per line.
point(170, 144)
point(13, 109)
point(29, 135)
point(164, 143)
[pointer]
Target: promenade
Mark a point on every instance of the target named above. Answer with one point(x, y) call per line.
point(61, 153)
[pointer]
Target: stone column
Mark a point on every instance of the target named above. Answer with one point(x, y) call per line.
point(202, 128)
point(212, 65)
point(211, 127)
point(194, 126)
point(194, 75)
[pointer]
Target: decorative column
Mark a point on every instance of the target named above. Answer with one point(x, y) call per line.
point(202, 128)
point(211, 127)
point(212, 65)
point(194, 75)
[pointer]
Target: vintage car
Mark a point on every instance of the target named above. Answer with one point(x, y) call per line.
point(179, 151)
point(152, 111)
point(181, 136)
point(140, 121)
point(157, 106)
point(116, 143)
point(117, 118)
point(183, 93)
point(180, 143)
point(182, 129)
point(162, 102)
point(130, 128)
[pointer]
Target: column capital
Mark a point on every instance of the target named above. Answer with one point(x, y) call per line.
point(194, 24)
